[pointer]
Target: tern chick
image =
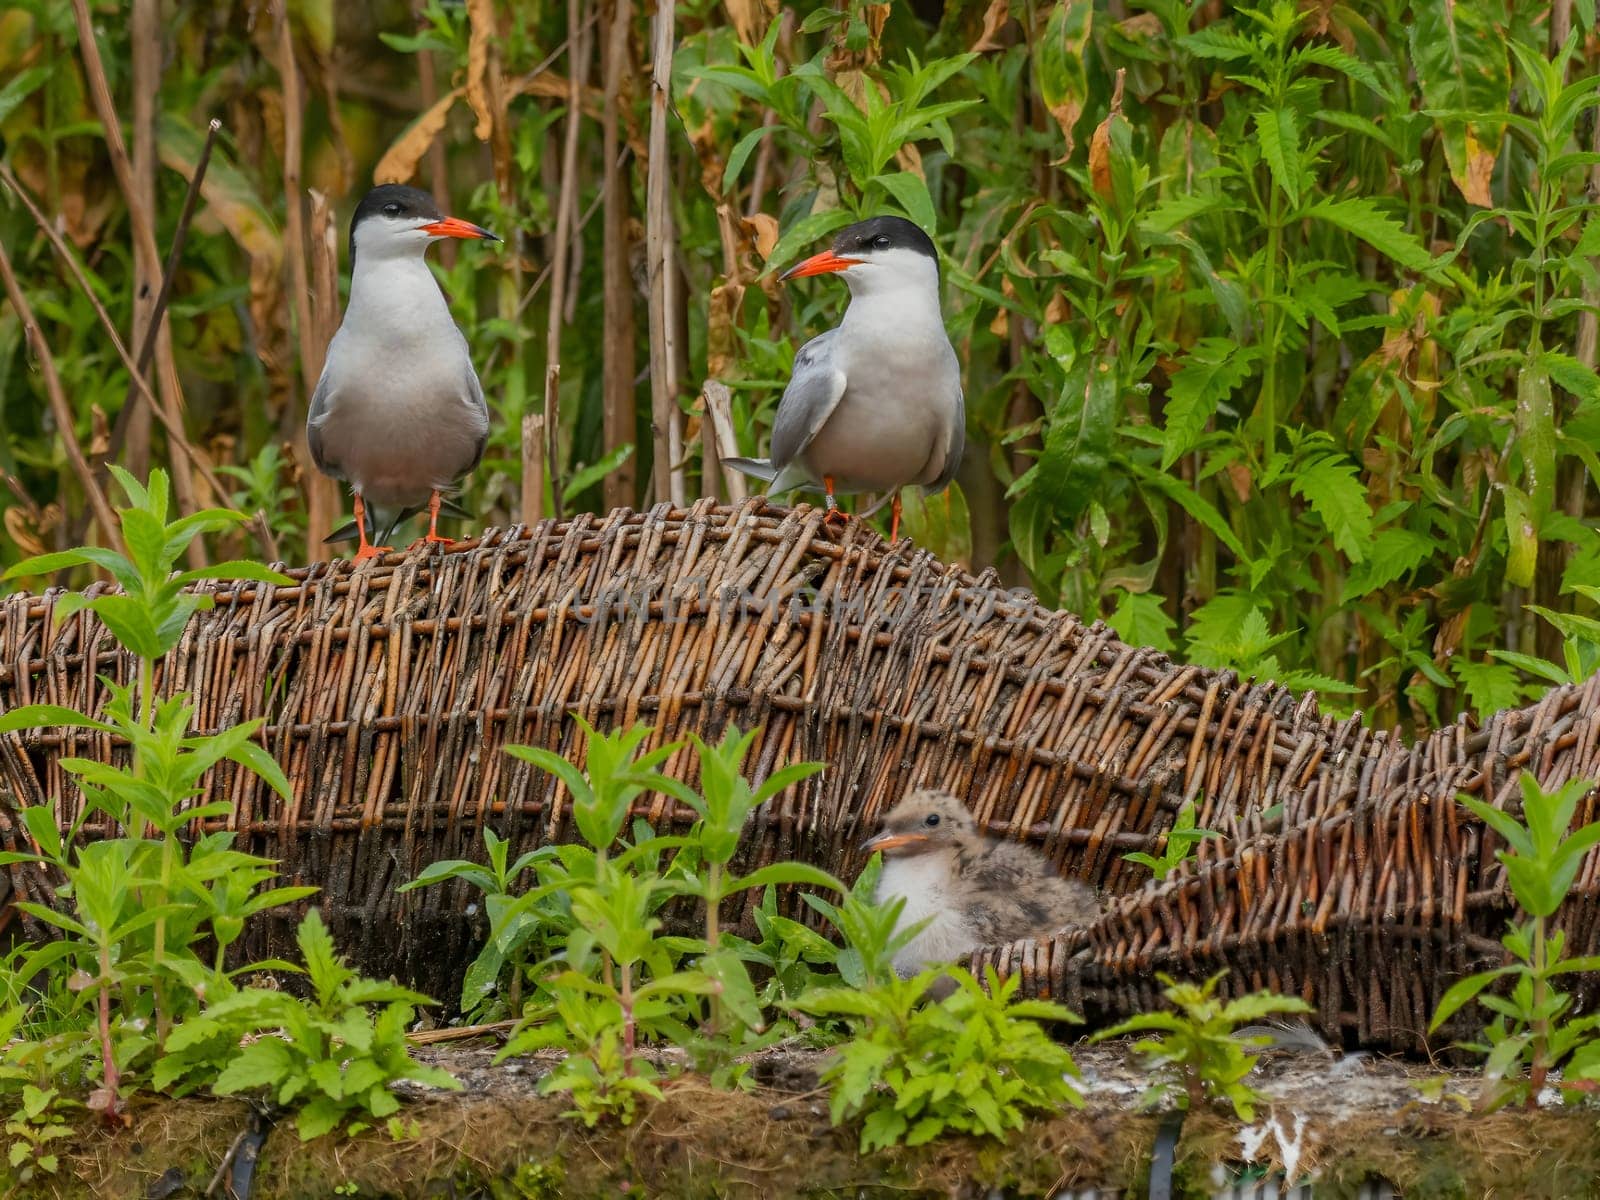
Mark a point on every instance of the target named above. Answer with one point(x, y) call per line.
point(874, 405)
point(978, 891)
point(398, 412)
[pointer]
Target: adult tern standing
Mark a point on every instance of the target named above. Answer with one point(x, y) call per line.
point(874, 405)
point(399, 411)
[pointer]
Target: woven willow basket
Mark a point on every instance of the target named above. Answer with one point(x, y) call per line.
point(1348, 876)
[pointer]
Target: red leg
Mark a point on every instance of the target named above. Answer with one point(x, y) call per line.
point(366, 549)
point(894, 520)
point(432, 536)
point(835, 513)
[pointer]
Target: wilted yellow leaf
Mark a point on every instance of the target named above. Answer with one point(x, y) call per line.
point(399, 162)
point(480, 15)
point(763, 229)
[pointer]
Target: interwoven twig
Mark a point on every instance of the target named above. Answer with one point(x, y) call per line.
point(1348, 875)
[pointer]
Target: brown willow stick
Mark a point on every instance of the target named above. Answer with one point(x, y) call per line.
point(617, 389)
point(140, 385)
point(144, 238)
point(668, 434)
point(58, 403)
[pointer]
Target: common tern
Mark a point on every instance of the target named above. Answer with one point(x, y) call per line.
point(398, 412)
point(874, 405)
point(977, 890)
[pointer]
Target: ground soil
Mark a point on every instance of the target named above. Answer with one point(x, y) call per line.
point(1343, 1121)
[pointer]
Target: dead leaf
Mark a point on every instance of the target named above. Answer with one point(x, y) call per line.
point(399, 161)
point(99, 432)
point(1058, 311)
point(1474, 181)
point(750, 18)
point(763, 230)
point(1239, 476)
point(909, 158)
point(480, 15)
point(27, 533)
point(994, 18)
point(1100, 144)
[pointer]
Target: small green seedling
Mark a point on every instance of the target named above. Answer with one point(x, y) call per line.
point(1197, 1051)
point(978, 1062)
point(1182, 839)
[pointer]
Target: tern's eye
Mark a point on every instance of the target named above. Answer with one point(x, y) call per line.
point(880, 242)
point(391, 210)
point(933, 819)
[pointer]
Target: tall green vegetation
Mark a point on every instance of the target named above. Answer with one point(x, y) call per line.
point(1277, 325)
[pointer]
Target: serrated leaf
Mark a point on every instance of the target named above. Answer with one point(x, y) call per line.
point(1490, 687)
point(1278, 135)
point(1059, 58)
point(1337, 497)
point(1394, 553)
point(1459, 54)
point(1141, 619)
point(1210, 373)
point(1363, 217)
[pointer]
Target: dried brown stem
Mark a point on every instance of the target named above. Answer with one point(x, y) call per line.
point(617, 336)
point(145, 251)
point(322, 494)
point(438, 175)
point(719, 419)
point(145, 45)
point(59, 407)
point(665, 418)
point(533, 463)
point(139, 385)
point(566, 220)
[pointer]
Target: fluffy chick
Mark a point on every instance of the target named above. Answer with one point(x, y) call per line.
point(977, 890)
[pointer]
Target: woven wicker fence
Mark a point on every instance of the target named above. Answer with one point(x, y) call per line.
point(1349, 876)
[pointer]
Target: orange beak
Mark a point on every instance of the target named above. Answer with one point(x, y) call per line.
point(819, 264)
point(457, 228)
point(891, 841)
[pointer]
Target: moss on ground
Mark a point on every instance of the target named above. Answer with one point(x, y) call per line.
point(510, 1144)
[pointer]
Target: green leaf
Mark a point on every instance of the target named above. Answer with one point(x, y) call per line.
point(1522, 536)
point(586, 477)
point(1394, 553)
point(1363, 217)
point(1278, 134)
point(910, 191)
point(1338, 498)
point(1459, 54)
point(806, 230)
point(1536, 439)
point(1210, 373)
point(19, 88)
point(1490, 687)
point(1059, 58)
point(1141, 619)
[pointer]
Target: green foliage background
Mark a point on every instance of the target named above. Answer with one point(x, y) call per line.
point(1277, 323)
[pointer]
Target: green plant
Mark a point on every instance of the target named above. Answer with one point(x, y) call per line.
point(1197, 1051)
point(33, 1128)
point(979, 1061)
point(329, 1057)
point(519, 926)
point(1531, 1033)
point(1182, 839)
point(143, 904)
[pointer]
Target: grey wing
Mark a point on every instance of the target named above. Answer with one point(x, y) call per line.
point(954, 448)
point(813, 393)
point(321, 401)
point(476, 401)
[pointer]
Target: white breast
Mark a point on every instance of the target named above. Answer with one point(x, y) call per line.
point(922, 881)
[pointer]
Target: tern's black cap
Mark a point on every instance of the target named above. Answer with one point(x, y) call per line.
point(394, 200)
point(883, 233)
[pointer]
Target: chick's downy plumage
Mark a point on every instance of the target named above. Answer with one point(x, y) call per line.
point(975, 890)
